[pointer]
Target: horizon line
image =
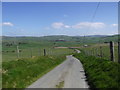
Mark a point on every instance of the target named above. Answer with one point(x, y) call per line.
point(57, 35)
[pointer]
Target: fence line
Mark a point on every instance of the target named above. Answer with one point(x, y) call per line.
point(99, 52)
point(31, 52)
point(119, 51)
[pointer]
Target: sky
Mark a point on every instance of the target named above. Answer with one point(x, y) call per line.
point(59, 18)
point(0, 20)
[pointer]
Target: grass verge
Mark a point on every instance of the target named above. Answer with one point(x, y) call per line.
point(60, 85)
point(23, 72)
point(100, 73)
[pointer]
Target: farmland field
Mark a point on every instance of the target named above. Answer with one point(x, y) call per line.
point(31, 54)
point(34, 49)
point(34, 46)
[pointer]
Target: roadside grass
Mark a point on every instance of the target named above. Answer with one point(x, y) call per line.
point(23, 72)
point(60, 85)
point(101, 73)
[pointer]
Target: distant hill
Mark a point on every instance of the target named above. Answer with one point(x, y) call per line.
point(97, 35)
point(81, 39)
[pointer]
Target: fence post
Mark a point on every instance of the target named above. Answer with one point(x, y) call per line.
point(118, 51)
point(44, 52)
point(101, 54)
point(112, 51)
point(17, 51)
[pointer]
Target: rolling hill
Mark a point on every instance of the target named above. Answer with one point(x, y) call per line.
point(81, 39)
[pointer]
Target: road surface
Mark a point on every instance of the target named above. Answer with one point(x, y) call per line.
point(70, 72)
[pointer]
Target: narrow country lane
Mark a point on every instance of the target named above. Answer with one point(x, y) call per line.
point(70, 72)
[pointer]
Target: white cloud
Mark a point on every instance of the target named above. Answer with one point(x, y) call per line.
point(60, 25)
point(7, 24)
point(67, 26)
point(95, 25)
point(57, 25)
point(81, 25)
point(114, 25)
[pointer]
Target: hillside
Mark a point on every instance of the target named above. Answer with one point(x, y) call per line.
point(81, 39)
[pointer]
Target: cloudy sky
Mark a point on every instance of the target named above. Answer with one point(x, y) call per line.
point(59, 18)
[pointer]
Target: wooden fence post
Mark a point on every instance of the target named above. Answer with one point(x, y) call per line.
point(112, 57)
point(17, 51)
point(101, 54)
point(44, 52)
point(118, 51)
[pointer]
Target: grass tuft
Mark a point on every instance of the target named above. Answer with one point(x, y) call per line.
point(60, 85)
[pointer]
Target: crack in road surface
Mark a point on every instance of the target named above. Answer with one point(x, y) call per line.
point(70, 71)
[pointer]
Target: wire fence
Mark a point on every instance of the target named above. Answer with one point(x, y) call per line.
point(33, 52)
point(108, 51)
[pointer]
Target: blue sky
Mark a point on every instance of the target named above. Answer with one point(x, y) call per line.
point(59, 18)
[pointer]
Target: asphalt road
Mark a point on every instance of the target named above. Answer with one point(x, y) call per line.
point(70, 71)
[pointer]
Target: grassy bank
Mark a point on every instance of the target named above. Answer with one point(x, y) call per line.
point(100, 73)
point(23, 72)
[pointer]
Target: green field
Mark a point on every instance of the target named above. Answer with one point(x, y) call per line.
point(32, 64)
point(33, 46)
point(32, 50)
